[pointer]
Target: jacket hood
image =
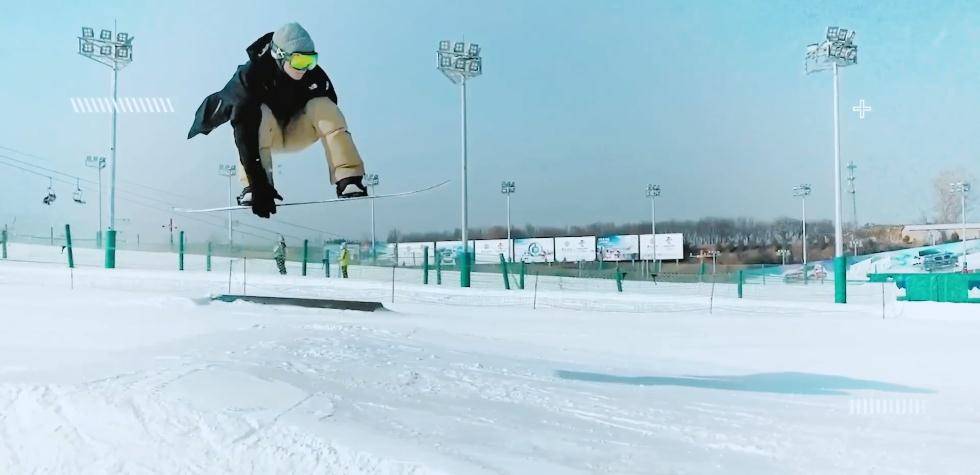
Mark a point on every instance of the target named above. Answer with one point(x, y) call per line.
point(259, 47)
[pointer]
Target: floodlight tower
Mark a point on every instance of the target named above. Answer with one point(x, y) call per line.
point(962, 188)
point(229, 171)
point(116, 54)
point(371, 180)
point(98, 163)
point(802, 191)
point(837, 51)
point(784, 253)
point(459, 64)
point(653, 191)
point(508, 188)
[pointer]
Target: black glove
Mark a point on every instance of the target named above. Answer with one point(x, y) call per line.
point(264, 200)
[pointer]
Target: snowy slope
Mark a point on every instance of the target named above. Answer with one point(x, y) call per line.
point(134, 371)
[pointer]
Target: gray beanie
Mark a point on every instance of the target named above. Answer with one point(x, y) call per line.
point(293, 38)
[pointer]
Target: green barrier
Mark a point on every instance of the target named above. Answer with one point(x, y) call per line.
point(425, 265)
point(438, 258)
point(840, 279)
point(741, 280)
point(71, 255)
point(464, 267)
point(954, 288)
point(3, 242)
point(326, 263)
point(207, 261)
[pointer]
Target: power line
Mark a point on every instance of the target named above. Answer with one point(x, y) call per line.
point(92, 182)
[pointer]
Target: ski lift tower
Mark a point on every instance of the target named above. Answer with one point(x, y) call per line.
point(459, 64)
point(837, 51)
point(116, 52)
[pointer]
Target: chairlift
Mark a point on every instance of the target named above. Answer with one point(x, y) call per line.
point(50, 197)
point(77, 196)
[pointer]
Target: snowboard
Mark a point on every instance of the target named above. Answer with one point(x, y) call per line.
point(331, 200)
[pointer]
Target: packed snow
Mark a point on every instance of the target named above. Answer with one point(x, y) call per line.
point(136, 370)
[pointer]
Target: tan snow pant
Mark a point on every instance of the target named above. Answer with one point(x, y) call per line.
point(321, 120)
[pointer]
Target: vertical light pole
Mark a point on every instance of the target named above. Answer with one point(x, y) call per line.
point(99, 163)
point(836, 52)
point(853, 191)
point(962, 188)
point(371, 180)
point(784, 253)
point(508, 188)
point(803, 191)
point(229, 171)
point(653, 191)
point(117, 54)
point(459, 64)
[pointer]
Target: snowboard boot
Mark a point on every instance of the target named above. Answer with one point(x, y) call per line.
point(351, 187)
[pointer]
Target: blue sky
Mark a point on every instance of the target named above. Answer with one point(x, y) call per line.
point(582, 103)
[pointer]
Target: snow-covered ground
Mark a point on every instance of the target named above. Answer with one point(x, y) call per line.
point(135, 371)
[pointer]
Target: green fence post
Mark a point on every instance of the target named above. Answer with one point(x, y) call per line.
point(840, 279)
point(71, 256)
point(763, 274)
point(520, 281)
point(503, 272)
point(110, 249)
point(180, 252)
point(701, 271)
point(306, 254)
point(741, 280)
point(425, 265)
point(464, 267)
point(3, 242)
point(326, 262)
point(208, 261)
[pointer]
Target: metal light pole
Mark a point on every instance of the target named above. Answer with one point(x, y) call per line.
point(508, 188)
point(836, 52)
point(99, 163)
point(853, 191)
point(653, 191)
point(784, 253)
point(460, 63)
point(116, 54)
point(803, 191)
point(962, 188)
point(371, 181)
point(229, 171)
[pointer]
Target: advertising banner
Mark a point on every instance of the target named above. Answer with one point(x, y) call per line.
point(447, 251)
point(670, 246)
point(410, 253)
point(575, 249)
point(488, 251)
point(621, 247)
point(534, 250)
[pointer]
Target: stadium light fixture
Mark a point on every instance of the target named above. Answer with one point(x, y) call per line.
point(836, 52)
point(458, 66)
point(101, 51)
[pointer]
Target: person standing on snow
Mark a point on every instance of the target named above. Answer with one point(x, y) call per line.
point(281, 100)
point(344, 259)
point(279, 254)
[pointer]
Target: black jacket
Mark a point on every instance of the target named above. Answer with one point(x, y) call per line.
point(259, 81)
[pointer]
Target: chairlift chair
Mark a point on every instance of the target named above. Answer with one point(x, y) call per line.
point(50, 197)
point(77, 196)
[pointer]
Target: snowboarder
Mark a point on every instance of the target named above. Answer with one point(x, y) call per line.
point(279, 254)
point(344, 259)
point(281, 100)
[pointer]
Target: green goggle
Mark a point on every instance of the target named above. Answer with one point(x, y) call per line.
point(302, 61)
